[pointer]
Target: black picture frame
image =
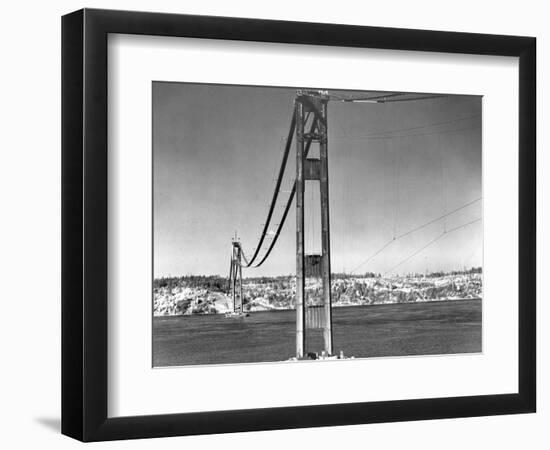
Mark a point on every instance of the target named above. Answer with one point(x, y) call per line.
point(84, 224)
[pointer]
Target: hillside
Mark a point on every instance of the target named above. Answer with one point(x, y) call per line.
point(209, 295)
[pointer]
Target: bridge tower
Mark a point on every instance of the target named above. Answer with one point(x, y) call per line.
point(236, 276)
point(310, 103)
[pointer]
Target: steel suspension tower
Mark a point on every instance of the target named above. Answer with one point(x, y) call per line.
point(236, 276)
point(309, 111)
point(313, 169)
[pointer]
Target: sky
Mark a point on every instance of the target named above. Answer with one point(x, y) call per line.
point(392, 168)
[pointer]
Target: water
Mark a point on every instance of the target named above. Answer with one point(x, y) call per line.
point(361, 331)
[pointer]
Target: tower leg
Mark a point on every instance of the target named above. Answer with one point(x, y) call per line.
point(300, 291)
point(240, 283)
point(325, 229)
point(233, 281)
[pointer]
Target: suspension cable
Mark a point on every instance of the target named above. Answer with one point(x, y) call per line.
point(413, 230)
point(433, 241)
point(289, 201)
point(276, 192)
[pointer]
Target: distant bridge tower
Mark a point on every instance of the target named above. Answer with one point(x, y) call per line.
point(312, 104)
point(236, 276)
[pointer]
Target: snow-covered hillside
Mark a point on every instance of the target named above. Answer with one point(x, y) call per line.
point(180, 298)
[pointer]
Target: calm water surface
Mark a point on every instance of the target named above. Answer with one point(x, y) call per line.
point(361, 331)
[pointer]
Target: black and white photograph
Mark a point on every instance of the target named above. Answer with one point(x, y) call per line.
point(275, 225)
point(314, 224)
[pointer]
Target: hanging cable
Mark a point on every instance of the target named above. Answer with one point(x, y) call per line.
point(402, 136)
point(289, 201)
point(401, 130)
point(276, 191)
point(433, 241)
point(413, 230)
point(427, 97)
